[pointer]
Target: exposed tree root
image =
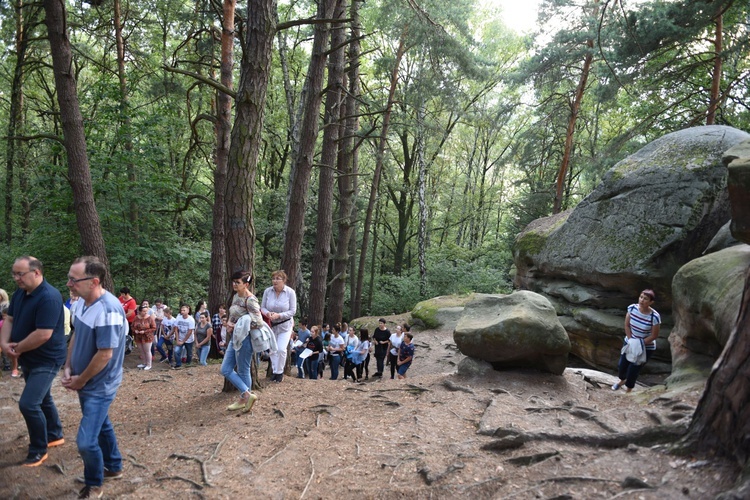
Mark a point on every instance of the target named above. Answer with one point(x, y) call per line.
point(180, 478)
point(649, 436)
point(454, 387)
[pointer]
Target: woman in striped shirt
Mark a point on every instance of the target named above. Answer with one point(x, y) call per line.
point(642, 322)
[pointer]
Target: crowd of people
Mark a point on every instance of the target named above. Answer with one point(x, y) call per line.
point(34, 345)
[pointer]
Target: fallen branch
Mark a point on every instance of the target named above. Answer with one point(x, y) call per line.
point(218, 447)
point(272, 457)
point(204, 471)
point(154, 380)
point(312, 473)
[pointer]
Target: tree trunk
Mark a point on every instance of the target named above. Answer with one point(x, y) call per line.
point(125, 119)
point(347, 176)
point(721, 423)
point(379, 156)
point(246, 134)
point(713, 102)
point(575, 109)
point(218, 286)
point(295, 227)
point(15, 115)
point(329, 155)
point(79, 175)
point(403, 200)
point(421, 195)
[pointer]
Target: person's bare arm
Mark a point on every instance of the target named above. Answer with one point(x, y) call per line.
point(5, 333)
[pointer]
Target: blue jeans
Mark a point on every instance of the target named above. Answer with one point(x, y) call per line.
point(203, 354)
point(38, 408)
point(241, 378)
point(178, 353)
point(160, 347)
point(96, 439)
point(335, 361)
point(311, 364)
point(300, 364)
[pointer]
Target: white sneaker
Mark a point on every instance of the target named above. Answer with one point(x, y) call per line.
point(141, 366)
point(146, 368)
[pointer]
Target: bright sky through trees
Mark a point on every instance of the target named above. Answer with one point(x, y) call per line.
point(519, 15)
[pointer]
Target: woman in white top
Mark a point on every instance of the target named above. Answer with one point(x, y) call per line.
point(280, 305)
point(393, 344)
point(351, 344)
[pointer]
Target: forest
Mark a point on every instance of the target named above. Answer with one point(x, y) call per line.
point(380, 152)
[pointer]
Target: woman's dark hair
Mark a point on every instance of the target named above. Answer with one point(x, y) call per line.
point(200, 304)
point(244, 276)
point(327, 337)
point(364, 334)
point(650, 293)
point(407, 327)
point(204, 313)
point(142, 307)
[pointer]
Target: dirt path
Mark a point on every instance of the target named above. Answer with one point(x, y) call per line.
point(418, 438)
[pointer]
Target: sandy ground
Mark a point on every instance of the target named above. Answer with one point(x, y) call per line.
point(423, 437)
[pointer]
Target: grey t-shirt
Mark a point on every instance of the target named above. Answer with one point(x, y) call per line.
point(101, 325)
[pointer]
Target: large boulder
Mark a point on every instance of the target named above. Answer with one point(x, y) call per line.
point(707, 293)
point(738, 163)
point(510, 331)
point(440, 312)
point(653, 212)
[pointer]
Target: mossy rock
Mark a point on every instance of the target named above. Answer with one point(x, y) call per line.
point(443, 311)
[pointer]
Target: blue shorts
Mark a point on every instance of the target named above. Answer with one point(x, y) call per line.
point(402, 368)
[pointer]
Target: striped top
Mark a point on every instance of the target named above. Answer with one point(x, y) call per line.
point(640, 324)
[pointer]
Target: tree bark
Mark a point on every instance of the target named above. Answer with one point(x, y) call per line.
point(379, 156)
point(575, 109)
point(295, 228)
point(79, 175)
point(422, 201)
point(347, 180)
point(218, 286)
point(329, 155)
point(721, 423)
point(713, 102)
point(125, 118)
point(246, 134)
point(15, 115)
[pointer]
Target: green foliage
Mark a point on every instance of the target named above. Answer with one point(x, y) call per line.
point(496, 109)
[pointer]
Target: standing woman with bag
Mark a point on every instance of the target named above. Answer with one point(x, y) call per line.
point(280, 305)
point(642, 324)
point(243, 311)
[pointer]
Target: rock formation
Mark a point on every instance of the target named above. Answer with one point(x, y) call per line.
point(653, 212)
point(516, 330)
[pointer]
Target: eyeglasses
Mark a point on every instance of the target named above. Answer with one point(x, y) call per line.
point(277, 278)
point(19, 275)
point(78, 280)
